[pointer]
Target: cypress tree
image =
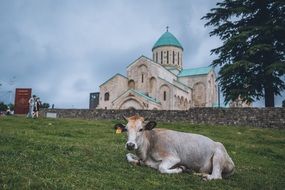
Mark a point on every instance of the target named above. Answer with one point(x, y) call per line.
point(251, 58)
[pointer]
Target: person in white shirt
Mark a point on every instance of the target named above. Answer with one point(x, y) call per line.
point(31, 106)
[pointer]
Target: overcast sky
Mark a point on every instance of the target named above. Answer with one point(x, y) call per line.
point(64, 49)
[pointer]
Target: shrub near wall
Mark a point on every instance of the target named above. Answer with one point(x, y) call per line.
point(257, 117)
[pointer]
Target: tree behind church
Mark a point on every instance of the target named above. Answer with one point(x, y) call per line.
point(252, 55)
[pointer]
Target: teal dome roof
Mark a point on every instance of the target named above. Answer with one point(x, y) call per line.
point(167, 39)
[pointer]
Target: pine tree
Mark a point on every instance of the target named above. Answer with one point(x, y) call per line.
point(252, 57)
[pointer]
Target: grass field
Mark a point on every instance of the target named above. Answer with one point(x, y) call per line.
point(82, 154)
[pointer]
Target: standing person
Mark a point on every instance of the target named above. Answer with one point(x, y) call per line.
point(31, 106)
point(37, 107)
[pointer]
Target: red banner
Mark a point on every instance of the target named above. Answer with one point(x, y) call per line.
point(22, 100)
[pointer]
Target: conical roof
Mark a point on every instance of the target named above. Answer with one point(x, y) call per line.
point(167, 39)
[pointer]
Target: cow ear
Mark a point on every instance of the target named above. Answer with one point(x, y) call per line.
point(120, 127)
point(150, 125)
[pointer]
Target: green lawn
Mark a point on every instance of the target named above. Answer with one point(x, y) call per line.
point(82, 154)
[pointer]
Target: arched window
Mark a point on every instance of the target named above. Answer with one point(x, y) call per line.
point(131, 84)
point(164, 95)
point(173, 56)
point(142, 78)
point(161, 57)
point(106, 96)
point(152, 84)
point(167, 57)
point(178, 58)
point(156, 57)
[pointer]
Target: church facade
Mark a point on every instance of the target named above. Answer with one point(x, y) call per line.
point(160, 83)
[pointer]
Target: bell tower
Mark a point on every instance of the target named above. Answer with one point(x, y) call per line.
point(168, 51)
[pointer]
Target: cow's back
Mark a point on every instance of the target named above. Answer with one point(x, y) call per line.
point(193, 150)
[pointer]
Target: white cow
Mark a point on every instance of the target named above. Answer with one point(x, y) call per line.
point(173, 152)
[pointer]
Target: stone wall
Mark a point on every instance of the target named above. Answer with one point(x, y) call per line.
point(256, 117)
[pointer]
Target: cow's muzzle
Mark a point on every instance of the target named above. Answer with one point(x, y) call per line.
point(130, 146)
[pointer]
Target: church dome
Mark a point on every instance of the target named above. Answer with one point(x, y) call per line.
point(167, 39)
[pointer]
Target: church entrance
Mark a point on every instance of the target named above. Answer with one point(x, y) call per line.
point(131, 104)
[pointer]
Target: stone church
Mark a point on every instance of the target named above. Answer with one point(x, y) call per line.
point(160, 83)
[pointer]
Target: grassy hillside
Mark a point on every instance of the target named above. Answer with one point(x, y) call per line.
point(81, 154)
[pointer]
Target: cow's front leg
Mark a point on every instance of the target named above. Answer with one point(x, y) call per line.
point(133, 159)
point(152, 164)
point(166, 166)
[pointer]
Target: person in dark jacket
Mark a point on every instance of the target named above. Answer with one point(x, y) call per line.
point(37, 107)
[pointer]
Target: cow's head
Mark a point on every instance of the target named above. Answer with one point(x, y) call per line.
point(135, 128)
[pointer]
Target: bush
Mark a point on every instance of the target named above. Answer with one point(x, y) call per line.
point(11, 106)
point(45, 105)
point(3, 107)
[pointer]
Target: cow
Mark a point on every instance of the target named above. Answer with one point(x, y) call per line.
point(171, 151)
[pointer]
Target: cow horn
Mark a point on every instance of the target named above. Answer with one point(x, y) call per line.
point(125, 118)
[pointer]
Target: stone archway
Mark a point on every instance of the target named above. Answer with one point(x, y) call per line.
point(131, 103)
point(199, 95)
point(164, 96)
point(142, 78)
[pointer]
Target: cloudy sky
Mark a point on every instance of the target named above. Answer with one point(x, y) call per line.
point(64, 49)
